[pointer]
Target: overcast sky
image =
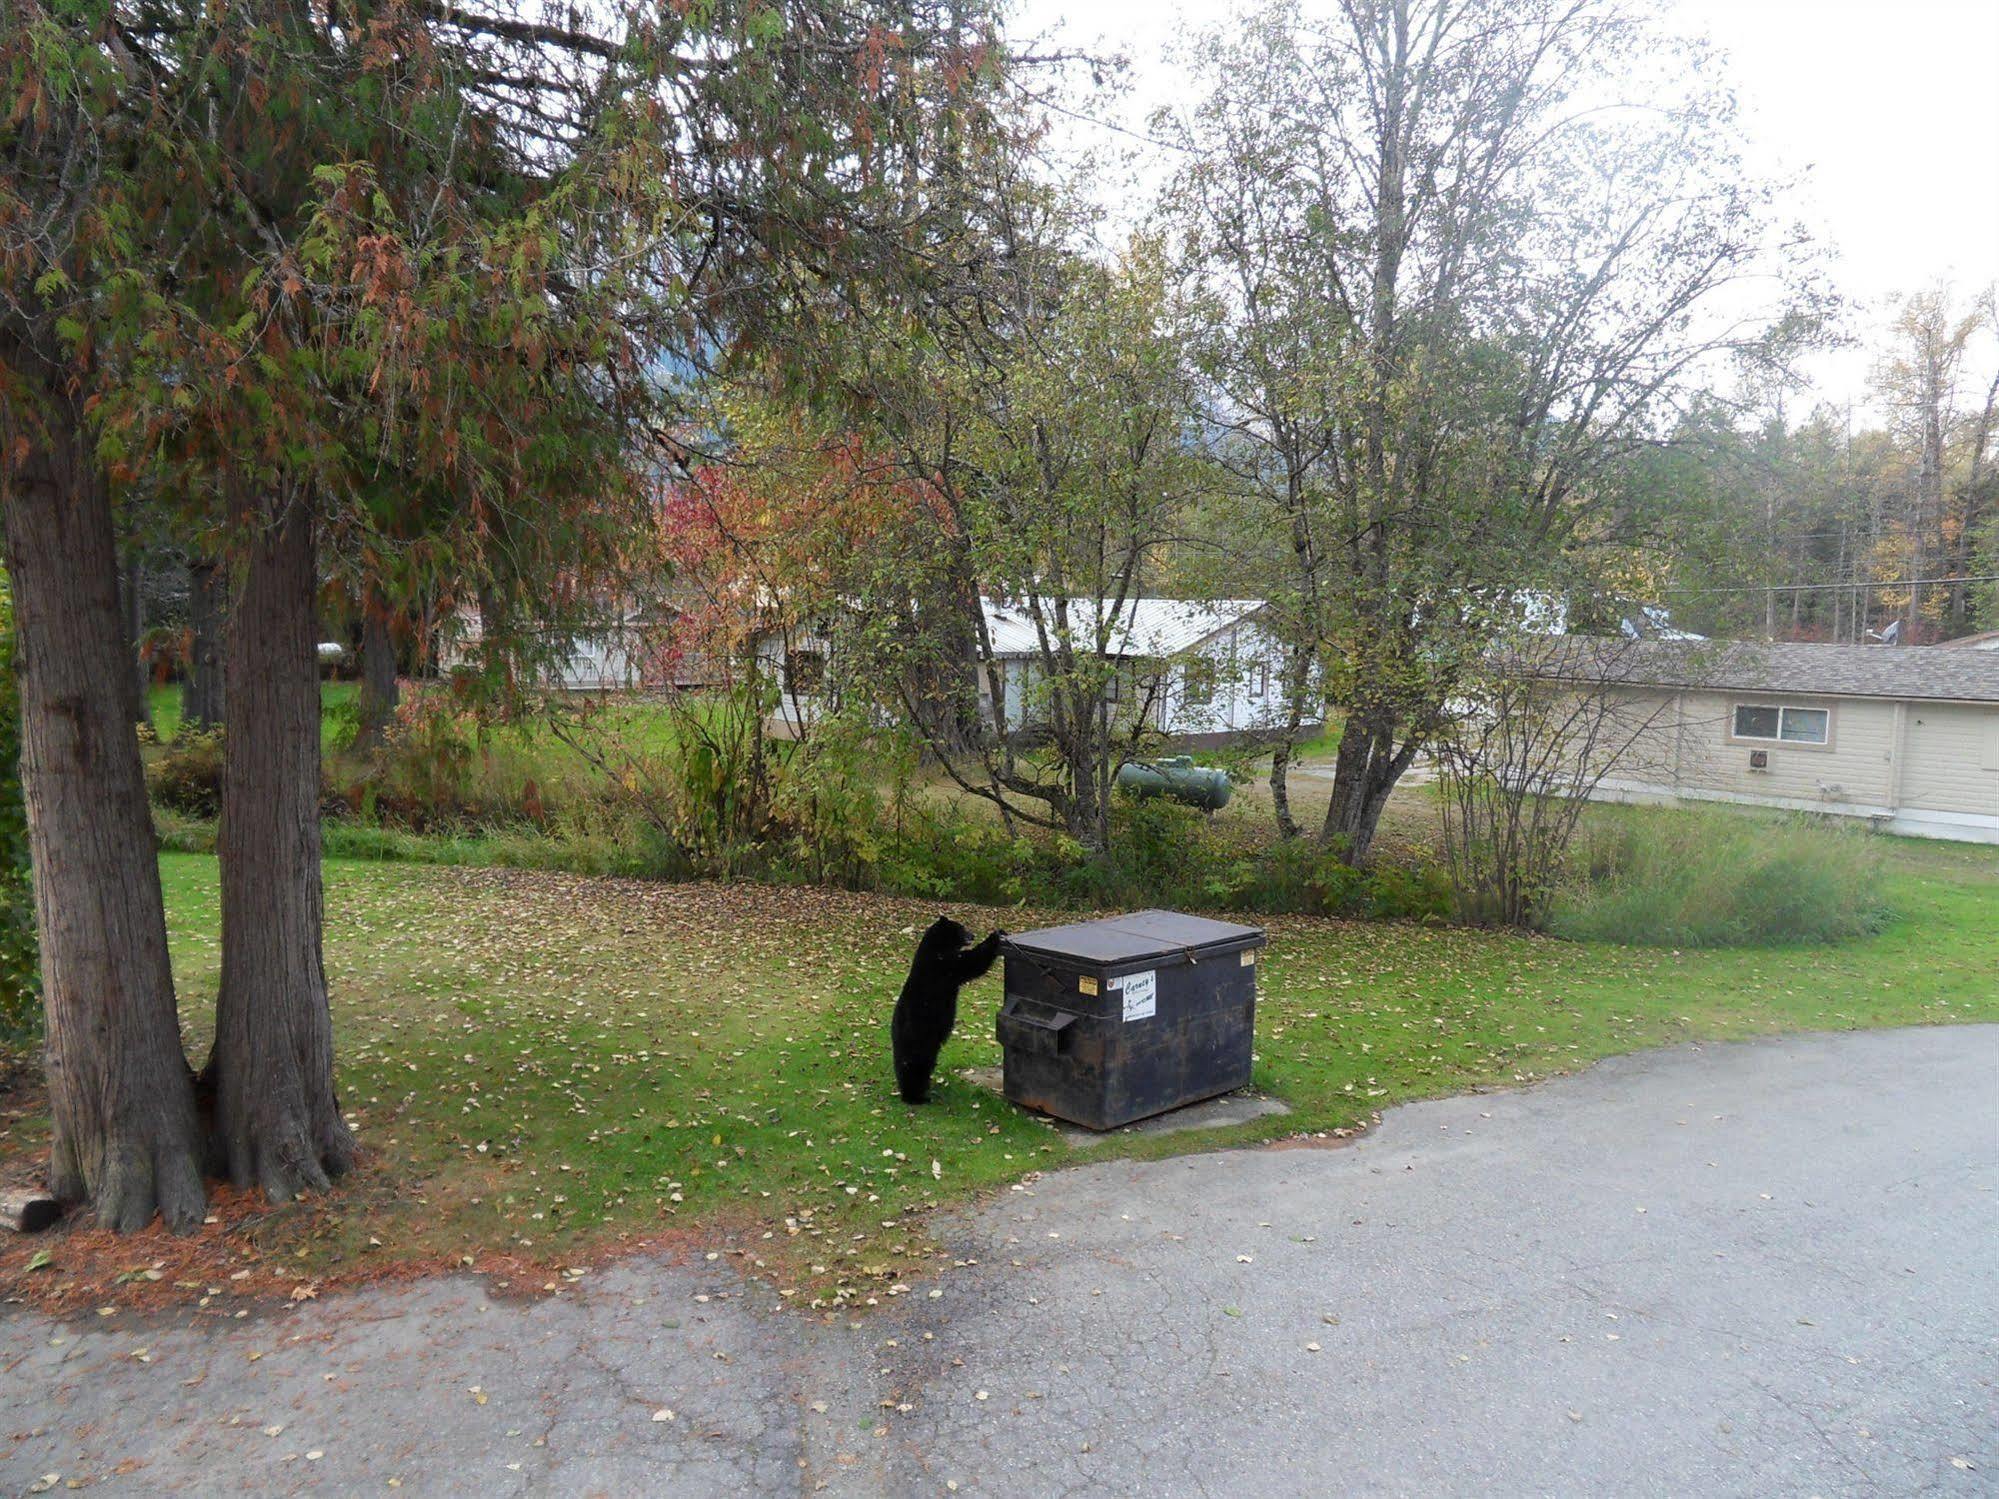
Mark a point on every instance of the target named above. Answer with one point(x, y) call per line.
point(1890, 109)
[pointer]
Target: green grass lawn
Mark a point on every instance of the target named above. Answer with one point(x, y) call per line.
point(545, 1066)
point(335, 703)
point(506, 756)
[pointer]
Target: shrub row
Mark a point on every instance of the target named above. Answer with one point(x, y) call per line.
point(1712, 877)
point(712, 799)
point(1160, 854)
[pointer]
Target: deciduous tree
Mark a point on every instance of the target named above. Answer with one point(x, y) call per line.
point(1483, 249)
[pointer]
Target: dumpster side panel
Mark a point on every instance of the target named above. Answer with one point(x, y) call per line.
point(1066, 1080)
point(1198, 1045)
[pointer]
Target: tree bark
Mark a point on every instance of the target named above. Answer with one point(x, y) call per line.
point(379, 689)
point(277, 1123)
point(943, 671)
point(123, 1132)
point(1280, 787)
point(1297, 684)
point(1365, 771)
point(201, 688)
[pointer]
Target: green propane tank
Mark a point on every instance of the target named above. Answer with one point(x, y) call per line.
point(1179, 777)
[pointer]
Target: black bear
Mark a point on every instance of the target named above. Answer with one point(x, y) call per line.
point(928, 1005)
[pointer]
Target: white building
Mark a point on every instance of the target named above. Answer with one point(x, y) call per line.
point(622, 650)
point(1201, 672)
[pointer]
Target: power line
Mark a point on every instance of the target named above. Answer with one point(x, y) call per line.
point(1839, 583)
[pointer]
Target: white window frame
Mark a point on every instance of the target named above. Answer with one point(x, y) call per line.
point(1736, 736)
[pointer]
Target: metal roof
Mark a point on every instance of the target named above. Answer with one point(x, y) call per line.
point(1141, 627)
point(1921, 673)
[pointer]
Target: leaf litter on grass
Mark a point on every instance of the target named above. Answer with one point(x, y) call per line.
point(544, 1069)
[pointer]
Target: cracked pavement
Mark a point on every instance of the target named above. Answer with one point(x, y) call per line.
point(1762, 1268)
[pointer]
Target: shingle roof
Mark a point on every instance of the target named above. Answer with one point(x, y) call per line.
point(1915, 672)
point(1152, 628)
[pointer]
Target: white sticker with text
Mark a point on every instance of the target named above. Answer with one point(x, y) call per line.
point(1141, 994)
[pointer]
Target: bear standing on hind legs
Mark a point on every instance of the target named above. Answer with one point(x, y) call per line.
point(928, 1006)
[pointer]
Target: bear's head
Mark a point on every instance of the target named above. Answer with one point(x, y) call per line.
point(945, 937)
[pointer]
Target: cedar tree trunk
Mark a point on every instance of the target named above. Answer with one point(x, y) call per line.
point(123, 1132)
point(201, 689)
point(379, 689)
point(277, 1125)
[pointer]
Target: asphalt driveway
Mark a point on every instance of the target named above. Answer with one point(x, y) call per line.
point(1753, 1269)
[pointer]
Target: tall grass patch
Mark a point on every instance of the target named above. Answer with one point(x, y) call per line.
point(1702, 877)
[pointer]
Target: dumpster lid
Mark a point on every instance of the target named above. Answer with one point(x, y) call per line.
point(1142, 934)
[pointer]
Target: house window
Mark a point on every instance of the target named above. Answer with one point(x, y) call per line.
point(804, 672)
point(1200, 680)
point(1781, 724)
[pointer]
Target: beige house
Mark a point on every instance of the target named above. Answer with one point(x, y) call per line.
point(1906, 738)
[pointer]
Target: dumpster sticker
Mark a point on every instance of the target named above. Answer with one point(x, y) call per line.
point(1249, 957)
point(1141, 994)
point(1086, 985)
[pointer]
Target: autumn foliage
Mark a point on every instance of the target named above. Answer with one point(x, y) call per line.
point(774, 540)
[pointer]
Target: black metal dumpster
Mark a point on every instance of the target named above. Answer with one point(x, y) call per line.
point(1109, 1021)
